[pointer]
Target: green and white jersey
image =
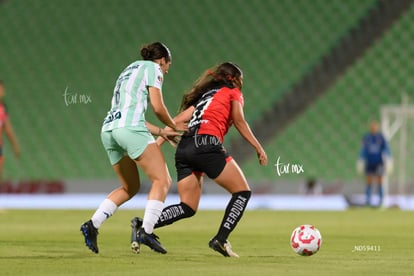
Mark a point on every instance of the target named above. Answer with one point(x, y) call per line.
point(130, 98)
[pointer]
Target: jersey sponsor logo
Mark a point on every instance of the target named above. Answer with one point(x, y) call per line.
point(130, 68)
point(197, 122)
point(112, 116)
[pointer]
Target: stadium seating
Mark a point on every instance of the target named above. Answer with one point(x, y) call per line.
point(50, 47)
point(326, 138)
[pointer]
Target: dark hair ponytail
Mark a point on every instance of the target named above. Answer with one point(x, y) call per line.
point(155, 51)
point(226, 74)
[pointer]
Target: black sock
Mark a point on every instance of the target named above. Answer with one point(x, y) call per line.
point(233, 214)
point(172, 213)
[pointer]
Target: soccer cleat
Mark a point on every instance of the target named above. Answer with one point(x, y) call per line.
point(151, 240)
point(136, 224)
point(223, 248)
point(90, 233)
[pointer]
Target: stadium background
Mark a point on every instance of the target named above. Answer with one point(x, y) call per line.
point(315, 74)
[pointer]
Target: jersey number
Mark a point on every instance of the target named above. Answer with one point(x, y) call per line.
point(199, 111)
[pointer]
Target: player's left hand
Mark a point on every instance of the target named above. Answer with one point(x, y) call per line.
point(262, 156)
point(389, 166)
point(171, 136)
point(17, 153)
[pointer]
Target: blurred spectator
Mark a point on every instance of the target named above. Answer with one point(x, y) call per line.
point(5, 125)
point(311, 187)
point(374, 160)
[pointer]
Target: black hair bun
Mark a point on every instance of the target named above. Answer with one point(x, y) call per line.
point(146, 53)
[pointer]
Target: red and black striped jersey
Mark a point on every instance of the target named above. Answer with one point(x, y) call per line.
point(212, 114)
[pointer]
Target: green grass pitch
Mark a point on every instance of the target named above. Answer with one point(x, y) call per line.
point(355, 242)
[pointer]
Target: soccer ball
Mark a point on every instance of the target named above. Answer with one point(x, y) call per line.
point(306, 240)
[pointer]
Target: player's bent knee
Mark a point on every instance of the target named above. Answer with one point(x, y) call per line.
point(162, 185)
point(169, 182)
point(166, 182)
point(161, 178)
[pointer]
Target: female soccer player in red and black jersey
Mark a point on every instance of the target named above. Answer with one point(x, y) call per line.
point(6, 125)
point(211, 107)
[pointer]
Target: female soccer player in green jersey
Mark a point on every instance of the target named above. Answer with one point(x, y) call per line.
point(127, 138)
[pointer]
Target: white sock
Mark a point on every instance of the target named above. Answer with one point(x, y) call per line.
point(105, 210)
point(152, 214)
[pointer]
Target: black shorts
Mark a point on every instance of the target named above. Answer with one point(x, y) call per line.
point(200, 154)
point(376, 169)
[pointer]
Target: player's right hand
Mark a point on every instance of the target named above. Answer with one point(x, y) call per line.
point(171, 136)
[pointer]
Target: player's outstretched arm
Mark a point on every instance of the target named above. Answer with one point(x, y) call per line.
point(243, 128)
point(180, 120)
point(157, 131)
